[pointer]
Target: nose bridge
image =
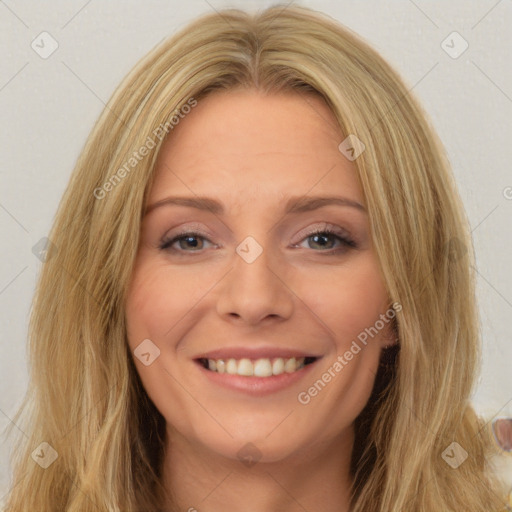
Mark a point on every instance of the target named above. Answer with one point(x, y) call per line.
point(254, 262)
point(254, 289)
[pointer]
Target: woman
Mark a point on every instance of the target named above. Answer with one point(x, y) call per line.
point(191, 349)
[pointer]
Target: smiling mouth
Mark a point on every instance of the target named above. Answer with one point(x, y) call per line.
point(264, 367)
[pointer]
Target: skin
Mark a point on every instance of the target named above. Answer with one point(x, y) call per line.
point(252, 152)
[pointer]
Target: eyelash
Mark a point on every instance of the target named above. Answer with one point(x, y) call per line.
point(347, 242)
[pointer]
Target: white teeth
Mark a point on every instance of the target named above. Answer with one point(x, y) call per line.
point(278, 366)
point(231, 367)
point(291, 365)
point(221, 365)
point(260, 368)
point(245, 367)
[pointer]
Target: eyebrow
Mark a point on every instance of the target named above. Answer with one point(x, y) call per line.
point(295, 204)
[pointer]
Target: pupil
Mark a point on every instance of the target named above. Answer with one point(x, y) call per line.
point(317, 237)
point(191, 240)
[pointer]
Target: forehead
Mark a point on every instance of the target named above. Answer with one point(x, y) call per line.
point(243, 144)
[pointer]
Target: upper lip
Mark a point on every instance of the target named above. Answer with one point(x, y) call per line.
point(254, 353)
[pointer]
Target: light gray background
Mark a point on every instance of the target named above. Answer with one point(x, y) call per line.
point(49, 106)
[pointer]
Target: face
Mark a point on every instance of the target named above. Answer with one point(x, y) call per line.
point(253, 273)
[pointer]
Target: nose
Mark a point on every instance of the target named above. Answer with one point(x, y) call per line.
point(256, 290)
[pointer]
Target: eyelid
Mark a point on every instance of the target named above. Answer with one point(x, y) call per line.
point(311, 230)
point(192, 227)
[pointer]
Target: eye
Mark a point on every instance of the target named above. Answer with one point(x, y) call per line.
point(321, 238)
point(185, 241)
point(324, 238)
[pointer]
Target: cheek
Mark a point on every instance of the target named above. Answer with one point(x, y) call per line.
point(159, 298)
point(149, 309)
point(348, 300)
point(157, 301)
point(351, 303)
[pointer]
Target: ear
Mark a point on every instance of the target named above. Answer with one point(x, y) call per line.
point(502, 430)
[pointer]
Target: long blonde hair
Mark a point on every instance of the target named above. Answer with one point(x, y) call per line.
point(85, 398)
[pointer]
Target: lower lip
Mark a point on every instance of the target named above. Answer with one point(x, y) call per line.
point(256, 386)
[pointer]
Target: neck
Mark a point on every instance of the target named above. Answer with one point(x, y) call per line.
point(201, 480)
